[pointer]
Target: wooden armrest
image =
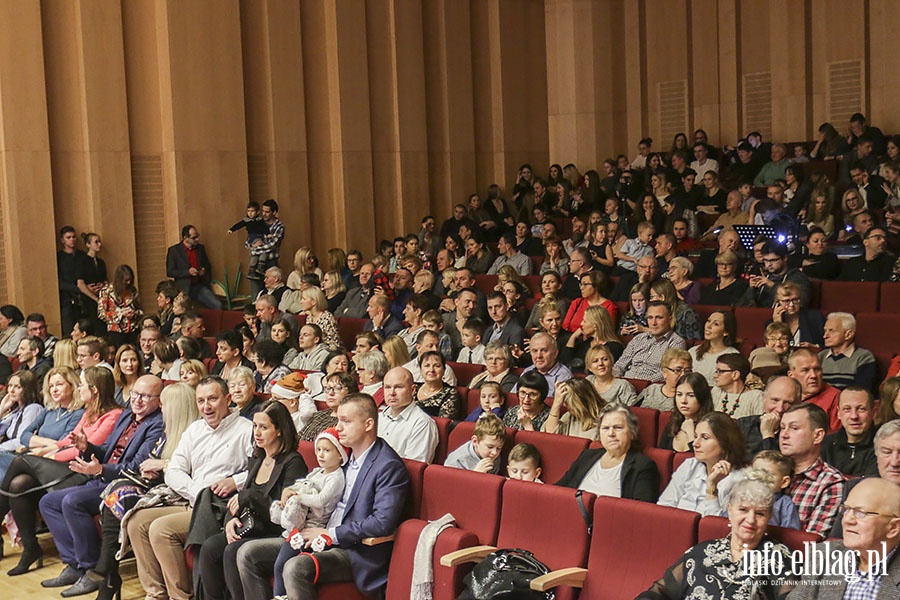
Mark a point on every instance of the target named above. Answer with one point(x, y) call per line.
point(473, 554)
point(573, 577)
point(374, 541)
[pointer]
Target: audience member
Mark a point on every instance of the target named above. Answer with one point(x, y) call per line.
point(843, 363)
point(804, 366)
point(544, 359)
point(851, 449)
point(875, 264)
point(402, 422)
point(761, 432)
point(642, 355)
point(482, 452)
point(531, 413)
point(731, 394)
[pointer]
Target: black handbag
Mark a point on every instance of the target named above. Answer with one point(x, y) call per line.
point(505, 574)
point(247, 521)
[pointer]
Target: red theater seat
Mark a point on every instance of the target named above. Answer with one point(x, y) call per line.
point(849, 296)
point(473, 498)
point(663, 460)
point(349, 328)
point(447, 581)
point(558, 452)
point(465, 372)
point(534, 281)
point(212, 320)
point(679, 459)
point(751, 323)
point(878, 332)
point(648, 425)
point(521, 526)
point(621, 563)
point(889, 296)
point(231, 319)
point(443, 425)
point(485, 283)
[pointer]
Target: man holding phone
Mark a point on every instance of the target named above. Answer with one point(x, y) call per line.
point(775, 271)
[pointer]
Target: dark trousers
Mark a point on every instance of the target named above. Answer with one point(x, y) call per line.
point(216, 569)
point(300, 572)
point(69, 515)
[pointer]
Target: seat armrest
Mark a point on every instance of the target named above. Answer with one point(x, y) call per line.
point(473, 554)
point(573, 577)
point(374, 541)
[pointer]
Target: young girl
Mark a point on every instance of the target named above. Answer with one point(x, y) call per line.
point(309, 503)
point(601, 251)
point(692, 401)
point(635, 320)
point(491, 399)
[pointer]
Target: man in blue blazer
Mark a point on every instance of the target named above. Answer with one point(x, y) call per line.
point(69, 513)
point(375, 491)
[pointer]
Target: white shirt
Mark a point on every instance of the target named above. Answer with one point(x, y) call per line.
point(708, 165)
point(412, 434)
point(350, 475)
point(603, 482)
point(413, 367)
point(205, 455)
point(473, 356)
point(687, 489)
point(306, 408)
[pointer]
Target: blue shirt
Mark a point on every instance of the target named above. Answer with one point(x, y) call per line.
point(54, 424)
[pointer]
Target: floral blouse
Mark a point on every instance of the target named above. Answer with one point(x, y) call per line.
point(111, 308)
point(328, 324)
point(707, 572)
point(446, 403)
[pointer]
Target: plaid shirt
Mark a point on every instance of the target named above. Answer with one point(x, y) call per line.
point(866, 587)
point(817, 494)
point(643, 354)
point(270, 249)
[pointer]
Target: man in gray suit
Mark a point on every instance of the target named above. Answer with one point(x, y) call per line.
point(871, 528)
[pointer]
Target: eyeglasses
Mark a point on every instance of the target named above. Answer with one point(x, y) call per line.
point(138, 396)
point(791, 301)
point(777, 338)
point(769, 261)
point(585, 284)
point(335, 389)
point(679, 370)
point(720, 371)
point(860, 514)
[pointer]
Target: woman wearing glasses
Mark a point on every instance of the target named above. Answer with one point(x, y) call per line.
point(337, 386)
point(806, 324)
point(661, 396)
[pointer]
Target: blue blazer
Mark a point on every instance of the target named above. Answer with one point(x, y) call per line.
point(145, 438)
point(374, 509)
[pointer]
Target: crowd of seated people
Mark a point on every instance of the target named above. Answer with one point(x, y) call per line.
point(782, 429)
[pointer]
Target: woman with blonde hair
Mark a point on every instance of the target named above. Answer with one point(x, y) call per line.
point(334, 289)
point(191, 372)
point(395, 351)
point(583, 406)
point(314, 305)
point(179, 410)
point(65, 354)
point(304, 262)
point(596, 329)
point(31, 477)
point(599, 363)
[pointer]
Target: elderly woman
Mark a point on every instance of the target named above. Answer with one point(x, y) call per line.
point(687, 323)
point(314, 304)
point(618, 469)
point(436, 397)
point(719, 337)
point(674, 363)
point(806, 324)
point(531, 413)
point(599, 363)
point(680, 270)
point(703, 482)
point(728, 289)
point(497, 359)
point(593, 284)
point(583, 405)
point(715, 569)
point(12, 329)
point(242, 386)
point(338, 386)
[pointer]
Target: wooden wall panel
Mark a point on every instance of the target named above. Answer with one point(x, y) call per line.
point(90, 156)
point(884, 76)
point(26, 195)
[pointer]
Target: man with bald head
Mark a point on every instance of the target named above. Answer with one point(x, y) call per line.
point(761, 431)
point(544, 360)
point(402, 422)
point(69, 513)
point(871, 529)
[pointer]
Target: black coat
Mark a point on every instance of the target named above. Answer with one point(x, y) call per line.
point(640, 476)
point(178, 266)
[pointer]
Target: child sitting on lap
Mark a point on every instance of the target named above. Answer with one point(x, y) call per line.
point(309, 503)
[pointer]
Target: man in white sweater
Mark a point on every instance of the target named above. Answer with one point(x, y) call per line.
point(213, 452)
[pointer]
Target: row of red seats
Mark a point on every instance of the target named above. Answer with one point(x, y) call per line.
point(491, 511)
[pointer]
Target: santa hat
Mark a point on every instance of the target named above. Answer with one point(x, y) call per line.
point(331, 434)
point(290, 386)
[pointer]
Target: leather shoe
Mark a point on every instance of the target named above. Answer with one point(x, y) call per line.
point(68, 576)
point(85, 585)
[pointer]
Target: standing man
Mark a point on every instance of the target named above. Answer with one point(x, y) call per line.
point(68, 270)
point(188, 264)
point(267, 249)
